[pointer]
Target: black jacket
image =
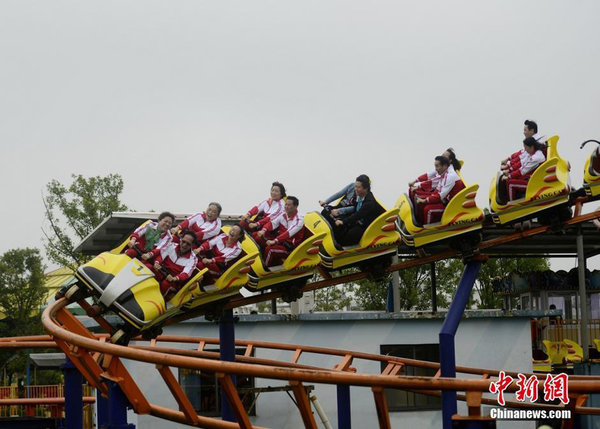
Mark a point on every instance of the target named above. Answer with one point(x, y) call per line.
point(368, 212)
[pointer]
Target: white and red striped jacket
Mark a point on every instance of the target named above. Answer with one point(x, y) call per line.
point(285, 226)
point(269, 208)
point(177, 264)
point(528, 164)
point(221, 252)
point(202, 227)
point(432, 178)
point(140, 236)
point(448, 186)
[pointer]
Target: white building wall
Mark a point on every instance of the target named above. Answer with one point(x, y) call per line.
point(495, 343)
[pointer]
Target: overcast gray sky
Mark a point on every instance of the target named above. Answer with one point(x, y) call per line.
point(194, 101)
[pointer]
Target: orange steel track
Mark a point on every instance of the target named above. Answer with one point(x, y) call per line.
point(100, 361)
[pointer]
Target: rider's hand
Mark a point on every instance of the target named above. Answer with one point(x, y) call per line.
point(131, 242)
point(262, 233)
point(322, 203)
point(335, 212)
point(271, 242)
point(411, 184)
point(157, 266)
point(339, 222)
point(146, 256)
point(171, 278)
point(175, 230)
point(207, 261)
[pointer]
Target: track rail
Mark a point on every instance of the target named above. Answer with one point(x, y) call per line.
point(100, 361)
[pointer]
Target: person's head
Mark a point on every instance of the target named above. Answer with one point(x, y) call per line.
point(236, 233)
point(441, 164)
point(277, 191)
point(552, 307)
point(362, 185)
point(291, 205)
point(451, 155)
point(165, 221)
point(530, 128)
point(530, 145)
point(213, 211)
point(187, 240)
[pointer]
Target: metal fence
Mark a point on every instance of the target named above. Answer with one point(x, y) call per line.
point(42, 410)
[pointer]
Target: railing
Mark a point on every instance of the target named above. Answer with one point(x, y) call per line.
point(54, 392)
point(558, 329)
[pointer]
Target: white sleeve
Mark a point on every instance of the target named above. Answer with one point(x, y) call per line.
point(532, 162)
point(296, 227)
point(213, 229)
point(190, 264)
point(448, 185)
point(196, 219)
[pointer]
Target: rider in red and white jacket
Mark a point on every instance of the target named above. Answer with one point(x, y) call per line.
point(205, 225)
point(280, 236)
point(178, 260)
point(270, 208)
point(218, 253)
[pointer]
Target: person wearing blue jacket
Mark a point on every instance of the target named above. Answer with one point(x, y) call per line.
point(345, 207)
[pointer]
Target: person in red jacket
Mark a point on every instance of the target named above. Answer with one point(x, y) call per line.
point(520, 168)
point(426, 183)
point(218, 253)
point(270, 208)
point(280, 236)
point(431, 207)
point(174, 264)
point(150, 236)
point(205, 225)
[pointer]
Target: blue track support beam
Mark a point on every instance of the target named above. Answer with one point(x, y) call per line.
point(102, 413)
point(343, 406)
point(449, 328)
point(227, 349)
point(117, 408)
point(73, 396)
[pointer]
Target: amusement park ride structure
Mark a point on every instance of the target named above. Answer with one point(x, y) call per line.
point(100, 362)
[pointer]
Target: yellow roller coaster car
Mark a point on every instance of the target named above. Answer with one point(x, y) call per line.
point(461, 216)
point(129, 288)
point(379, 239)
point(591, 172)
point(548, 187)
point(295, 271)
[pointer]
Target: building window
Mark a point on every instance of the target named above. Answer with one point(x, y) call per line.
point(401, 400)
point(204, 392)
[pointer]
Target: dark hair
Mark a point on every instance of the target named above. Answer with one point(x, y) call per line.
point(166, 214)
point(530, 141)
point(189, 232)
point(218, 206)
point(243, 234)
point(281, 188)
point(442, 160)
point(364, 181)
point(531, 125)
point(293, 200)
point(452, 158)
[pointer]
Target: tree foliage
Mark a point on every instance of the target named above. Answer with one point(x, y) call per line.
point(22, 293)
point(74, 211)
point(333, 298)
point(21, 286)
point(415, 286)
point(499, 267)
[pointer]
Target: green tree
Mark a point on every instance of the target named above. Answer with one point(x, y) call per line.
point(499, 267)
point(333, 298)
point(21, 286)
point(415, 287)
point(21, 295)
point(74, 211)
